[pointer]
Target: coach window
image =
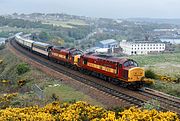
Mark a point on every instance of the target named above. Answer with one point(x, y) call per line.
point(120, 65)
point(85, 61)
point(67, 56)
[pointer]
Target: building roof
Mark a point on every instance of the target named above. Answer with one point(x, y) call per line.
point(108, 41)
point(143, 42)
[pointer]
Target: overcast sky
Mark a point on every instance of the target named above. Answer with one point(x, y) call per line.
point(96, 8)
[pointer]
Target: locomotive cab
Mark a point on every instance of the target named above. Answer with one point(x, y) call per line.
point(76, 54)
point(131, 72)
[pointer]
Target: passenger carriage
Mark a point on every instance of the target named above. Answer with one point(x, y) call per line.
point(41, 48)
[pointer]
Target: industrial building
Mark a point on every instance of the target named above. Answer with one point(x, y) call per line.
point(109, 43)
point(141, 47)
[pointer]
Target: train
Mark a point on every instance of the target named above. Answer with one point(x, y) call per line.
point(121, 71)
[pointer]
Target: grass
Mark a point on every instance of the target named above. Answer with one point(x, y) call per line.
point(13, 29)
point(66, 93)
point(167, 87)
point(66, 24)
point(145, 60)
point(27, 95)
point(164, 64)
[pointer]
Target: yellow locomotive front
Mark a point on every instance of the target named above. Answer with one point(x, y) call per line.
point(132, 75)
point(136, 74)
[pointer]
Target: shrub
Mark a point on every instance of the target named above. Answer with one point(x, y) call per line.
point(150, 74)
point(178, 78)
point(81, 111)
point(21, 82)
point(2, 46)
point(1, 61)
point(151, 104)
point(22, 68)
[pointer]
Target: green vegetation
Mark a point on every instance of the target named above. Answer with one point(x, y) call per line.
point(23, 84)
point(150, 74)
point(44, 36)
point(177, 48)
point(145, 60)
point(66, 24)
point(46, 32)
point(19, 23)
point(167, 87)
point(82, 111)
point(22, 68)
point(4, 34)
point(67, 94)
point(151, 104)
point(167, 64)
point(2, 46)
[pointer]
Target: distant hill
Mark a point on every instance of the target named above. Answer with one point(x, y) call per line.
point(156, 20)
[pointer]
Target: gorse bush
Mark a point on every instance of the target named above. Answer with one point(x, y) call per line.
point(150, 74)
point(81, 111)
point(6, 99)
point(22, 68)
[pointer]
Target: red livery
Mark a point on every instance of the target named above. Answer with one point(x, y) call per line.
point(121, 70)
point(66, 55)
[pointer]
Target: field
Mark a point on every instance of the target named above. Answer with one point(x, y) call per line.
point(65, 24)
point(13, 29)
point(27, 94)
point(67, 94)
point(163, 64)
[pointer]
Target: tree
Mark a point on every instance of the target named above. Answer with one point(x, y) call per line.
point(44, 36)
point(22, 68)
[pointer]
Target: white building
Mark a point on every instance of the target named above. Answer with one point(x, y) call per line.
point(102, 50)
point(143, 47)
point(98, 50)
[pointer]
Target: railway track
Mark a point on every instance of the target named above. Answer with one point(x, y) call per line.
point(134, 98)
point(131, 99)
point(167, 101)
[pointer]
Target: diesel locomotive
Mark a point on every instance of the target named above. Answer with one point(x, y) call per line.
point(117, 70)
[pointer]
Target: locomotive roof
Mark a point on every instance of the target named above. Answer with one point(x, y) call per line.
point(106, 57)
point(68, 50)
point(71, 50)
point(58, 47)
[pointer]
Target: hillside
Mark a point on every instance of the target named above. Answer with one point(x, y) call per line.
point(21, 78)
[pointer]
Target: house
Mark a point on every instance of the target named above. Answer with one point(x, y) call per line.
point(98, 50)
point(109, 43)
point(142, 47)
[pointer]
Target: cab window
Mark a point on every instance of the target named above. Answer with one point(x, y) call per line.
point(130, 63)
